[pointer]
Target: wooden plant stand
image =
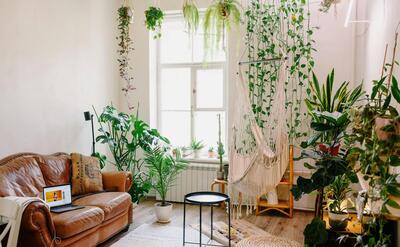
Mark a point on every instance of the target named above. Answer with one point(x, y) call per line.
point(283, 206)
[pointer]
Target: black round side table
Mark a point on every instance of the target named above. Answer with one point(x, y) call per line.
point(206, 198)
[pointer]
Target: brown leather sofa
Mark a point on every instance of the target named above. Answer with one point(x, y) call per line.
point(104, 215)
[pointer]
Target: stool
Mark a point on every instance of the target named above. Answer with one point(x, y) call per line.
point(206, 198)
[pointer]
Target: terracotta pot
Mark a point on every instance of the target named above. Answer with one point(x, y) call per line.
point(163, 213)
point(211, 154)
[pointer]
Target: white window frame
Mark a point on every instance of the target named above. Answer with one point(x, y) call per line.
point(194, 67)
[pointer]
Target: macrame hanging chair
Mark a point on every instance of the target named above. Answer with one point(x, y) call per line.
point(258, 156)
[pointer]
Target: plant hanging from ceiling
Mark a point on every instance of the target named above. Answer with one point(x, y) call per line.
point(219, 17)
point(327, 4)
point(276, 29)
point(191, 16)
point(125, 46)
point(154, 19)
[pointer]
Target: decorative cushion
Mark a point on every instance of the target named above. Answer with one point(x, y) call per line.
point(86, 174)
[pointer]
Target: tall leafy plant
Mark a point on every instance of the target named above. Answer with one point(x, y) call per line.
point(220, 16)
point(125, 47)
point(326, 100)
point(163, 170)
point(126, 135)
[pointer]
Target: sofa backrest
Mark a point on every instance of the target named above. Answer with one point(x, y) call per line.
point(26, 174)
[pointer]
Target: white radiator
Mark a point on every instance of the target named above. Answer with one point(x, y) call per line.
point(196, 177)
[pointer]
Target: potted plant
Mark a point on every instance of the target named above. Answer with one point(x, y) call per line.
point(336, 194)
point(220, 16)
point(196, 147)
point(163, 170)
point(220, 151)
point(211, 152)
point(125, 135)
point(154, 18)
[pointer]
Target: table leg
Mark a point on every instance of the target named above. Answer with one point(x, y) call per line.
point(184, 221)
point(229, 221)
point(212, 222)
point(200, 225)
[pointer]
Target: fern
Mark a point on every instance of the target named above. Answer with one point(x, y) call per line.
point(191, 16)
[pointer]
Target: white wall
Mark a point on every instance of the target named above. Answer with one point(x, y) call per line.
point(57, 58)
point(383, 17)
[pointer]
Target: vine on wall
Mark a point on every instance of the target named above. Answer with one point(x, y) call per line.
point(276, 30)
point(125, 46)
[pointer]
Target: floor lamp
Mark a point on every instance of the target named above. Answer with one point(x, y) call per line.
point(89, 116)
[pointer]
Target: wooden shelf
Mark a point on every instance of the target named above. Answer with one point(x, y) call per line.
point(283, 206)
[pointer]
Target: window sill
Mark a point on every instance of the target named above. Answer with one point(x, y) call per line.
point(205, 160)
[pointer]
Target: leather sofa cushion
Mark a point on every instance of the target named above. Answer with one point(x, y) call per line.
point(73, 222)
point(112, 203)
point(56, 170)
point(21, 177)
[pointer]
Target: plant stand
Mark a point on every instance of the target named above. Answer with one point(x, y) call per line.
point(283, 206)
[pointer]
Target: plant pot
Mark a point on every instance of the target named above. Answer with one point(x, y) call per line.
point(220, 175)
point(272, 197)
point(338, 221)
point(163, 213)
point(226, 171)
point(196, 154)
point(211, 154)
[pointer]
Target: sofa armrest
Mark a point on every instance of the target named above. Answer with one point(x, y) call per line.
point(117, 181)
point(37, 228)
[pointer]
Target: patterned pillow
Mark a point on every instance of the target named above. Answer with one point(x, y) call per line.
point(86, 174)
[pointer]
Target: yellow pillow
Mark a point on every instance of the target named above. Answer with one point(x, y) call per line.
point(86, 174)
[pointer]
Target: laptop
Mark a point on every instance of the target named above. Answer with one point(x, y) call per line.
point(59, 199)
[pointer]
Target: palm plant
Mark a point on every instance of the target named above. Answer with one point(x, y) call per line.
point(220, 16)
point(163, 170)
point(191, 16)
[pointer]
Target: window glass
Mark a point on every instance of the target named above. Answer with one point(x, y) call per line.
point(210, 88)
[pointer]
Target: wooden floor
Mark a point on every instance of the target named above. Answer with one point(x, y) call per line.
point(276, 224)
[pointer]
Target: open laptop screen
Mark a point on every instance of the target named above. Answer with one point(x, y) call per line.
point(57, 195)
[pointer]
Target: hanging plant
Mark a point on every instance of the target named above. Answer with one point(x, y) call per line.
point(154, 18)
point(220, 16)
point(191, 16)
point(275, 29)
point(125, 46)
point(327, 4)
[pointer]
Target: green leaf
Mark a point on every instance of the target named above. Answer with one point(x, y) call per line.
point(377, 87)
point(393, 204)
point(393, 190)
point(315, 233)
point(394, 160)
point(307, 165)
point(395, 89)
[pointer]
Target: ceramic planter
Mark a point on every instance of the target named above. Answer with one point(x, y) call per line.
point(220, 175)
point(163, 213)
point(338, 221)
point(226, 171)
point(196, 154)
point(211, 154)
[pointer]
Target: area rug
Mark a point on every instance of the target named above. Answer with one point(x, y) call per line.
point(245, 234)
point(159, 235)
point(240, 229)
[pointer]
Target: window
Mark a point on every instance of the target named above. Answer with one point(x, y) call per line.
point(190, 93)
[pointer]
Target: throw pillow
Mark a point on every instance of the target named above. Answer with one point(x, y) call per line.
point(86, 174)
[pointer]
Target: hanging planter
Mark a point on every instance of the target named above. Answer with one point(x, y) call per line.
point(190, 16)
point(219, 17)
point(154, 18)
point(327, 4)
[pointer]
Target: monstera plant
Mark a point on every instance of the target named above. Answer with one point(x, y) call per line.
point(125, 135)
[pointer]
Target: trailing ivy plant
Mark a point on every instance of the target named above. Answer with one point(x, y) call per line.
point(191, 16)
point(125, 46)
point(154, 19)
point(220, 16)
point(276, 29)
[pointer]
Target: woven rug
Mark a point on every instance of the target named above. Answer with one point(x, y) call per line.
point(159, 235)
point(245, 234)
